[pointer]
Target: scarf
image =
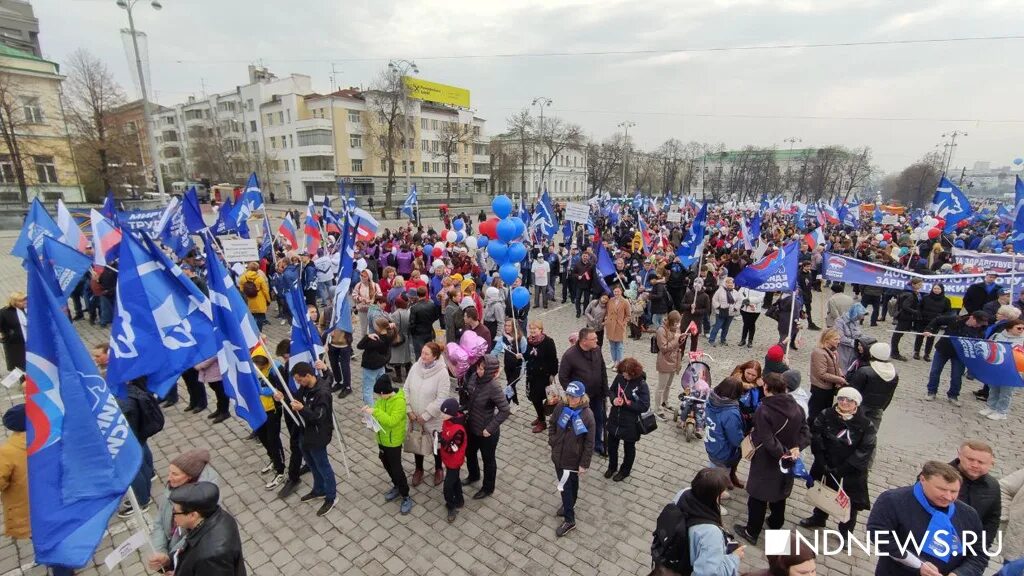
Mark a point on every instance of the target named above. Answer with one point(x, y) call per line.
point(535, 340)
point(569, 415)
point(844, 417)
point(941, 523)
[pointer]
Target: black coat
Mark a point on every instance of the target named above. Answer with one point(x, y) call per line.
point(587, 367)
point(984, 496)
point(977, 296)
point(623, 421)
point(842, 451)
point(933, 306)
point(541, 365)
point(422, 316)
point(908, 311)
point(876, 392)
point(13, 339)
point(779, 424)
point(212, 549)
point(376, 353)
point(318, 414)
point(955, 326)
point(661, 301)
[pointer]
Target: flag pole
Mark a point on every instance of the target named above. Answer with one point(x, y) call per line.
point(287, 409)
point(789, 334)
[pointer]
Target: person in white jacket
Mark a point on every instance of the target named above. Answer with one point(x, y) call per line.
point(726, 304)
point(1012, 489)
point(426, 387)
point(750, 308)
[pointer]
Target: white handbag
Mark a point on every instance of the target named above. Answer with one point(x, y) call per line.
point(835, 503)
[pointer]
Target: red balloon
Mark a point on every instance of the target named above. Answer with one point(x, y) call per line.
point(437, 251)
point(886, 236)
point(934, 233)
point(962, 224)
point(489, 228)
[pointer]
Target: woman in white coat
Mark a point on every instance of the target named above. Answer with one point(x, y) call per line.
point(750, 308)
point(427, 386)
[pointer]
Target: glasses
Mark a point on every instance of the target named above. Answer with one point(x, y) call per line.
point(847, 400)
point(180, 514)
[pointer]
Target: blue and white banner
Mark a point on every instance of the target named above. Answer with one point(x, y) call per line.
point(776, 272)
point(994, 363)
point(142, 221)
point(984, 261)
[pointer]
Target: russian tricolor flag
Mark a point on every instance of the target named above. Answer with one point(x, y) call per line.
point(290, 233)
point(815, 238)
point(312, 232)
point(366, 228)
point(105, 239)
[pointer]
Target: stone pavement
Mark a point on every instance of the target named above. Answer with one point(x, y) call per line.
point(512, 532)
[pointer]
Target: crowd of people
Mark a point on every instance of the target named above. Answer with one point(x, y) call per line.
point(409, 305)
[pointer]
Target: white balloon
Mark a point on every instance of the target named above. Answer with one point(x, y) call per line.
point(471, 242)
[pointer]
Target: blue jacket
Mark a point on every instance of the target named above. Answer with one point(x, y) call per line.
point(309, 277)
point(723, 429)
point(708, 552)
point(289, 277)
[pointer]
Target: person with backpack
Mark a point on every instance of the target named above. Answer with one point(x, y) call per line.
point(688, 536)
point(145, 418)
point(571, 434)
point(256, 291)
point(452, 444)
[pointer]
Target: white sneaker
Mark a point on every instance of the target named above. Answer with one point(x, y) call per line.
point(997, 416)
point(723, 510)
point(931, 397)
point(267, 468)
point(985, 411)
point(275, 482)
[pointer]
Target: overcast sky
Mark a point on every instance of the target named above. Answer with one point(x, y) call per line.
point(906, 95)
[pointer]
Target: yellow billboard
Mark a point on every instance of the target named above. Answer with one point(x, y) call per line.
point(434, 92)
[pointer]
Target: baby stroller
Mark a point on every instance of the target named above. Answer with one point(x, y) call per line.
point(694, 380)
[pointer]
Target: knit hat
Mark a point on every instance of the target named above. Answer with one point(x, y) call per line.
point(14, 418)
point(576, 389)
point(192, 462)
point(467, 302)
point(851, 393)
point(775, 353)
point(880, 351)
point(450, 407)
point(383, 385)
point(792, 380)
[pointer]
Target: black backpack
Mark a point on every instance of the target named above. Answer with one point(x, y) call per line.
point(250, 289)
point(151, 417)
point(670, 547)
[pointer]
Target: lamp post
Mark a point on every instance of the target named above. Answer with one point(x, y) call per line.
point(952, 148)
point(154, 153)
point(541, 102)
point(400, 68)
point(625, 151)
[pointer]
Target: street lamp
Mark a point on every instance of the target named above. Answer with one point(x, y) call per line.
point(952, 147)
point(154, 153)
point(541, 102)
point(625, 151)
point(400, 68)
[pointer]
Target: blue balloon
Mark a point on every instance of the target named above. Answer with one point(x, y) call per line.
point(458, 224)
point(502, 206)
point(460, 236)
point(520, 298)
point(1018, 161)
point(509, 272)
point(520, 225)
point(498, 252)
point(516, 252)
point(428, 248)
point(507, 230)
point(482, 242)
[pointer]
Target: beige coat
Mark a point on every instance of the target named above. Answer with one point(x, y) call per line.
point(1012, 488)
point(616, 318)
point(425, 390)
point(14, 486)
point(825, 371)
point(669, 352)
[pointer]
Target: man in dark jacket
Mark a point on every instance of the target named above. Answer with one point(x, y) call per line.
point(907, 512)
point(981, 293)
point(582, 277)
point(908, 316)
point(488, 408)
point(134, 407)
point(314, 405)
point(422, 315)
point(979, 489)
point(971, 326)
point(805, 281)
point(212, 545)
point(584, 362)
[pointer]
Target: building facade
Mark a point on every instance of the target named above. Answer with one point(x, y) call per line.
point(34, 137)
point(130, 161)
point(564, 176)
point(19, 27)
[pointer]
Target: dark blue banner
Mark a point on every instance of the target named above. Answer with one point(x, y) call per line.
point(994, 363)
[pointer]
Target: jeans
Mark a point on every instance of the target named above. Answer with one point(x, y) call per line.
point(270, 437)
point(453, 489)
point(957, 372)
point(582, 299)
point(600, 417)
point(369, 377)
point(629, 455)
point(487, 447)
point(391, 458)
point(341, 365)
point(749, 326)
point(722, 322)
point(999, 398)
point(323, 475)
point(756, 510)
point(261, 320)
point(618, 350)
point(143, 481)
point(656, 320)
point(540, 296)
point(106, 310)
point(570, 491)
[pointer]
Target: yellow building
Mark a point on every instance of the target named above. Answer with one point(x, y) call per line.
point(32, 123)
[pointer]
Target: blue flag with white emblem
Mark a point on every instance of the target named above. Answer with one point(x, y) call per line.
point(192, 213)
point(82, 455)
point(689, 249)
point(775, 272)
point(1018, 216)
point(160, 328)
point(305, 341)
point(68, 265)
point(991, 362)
point(411, 202)
point(250, 201)
point(235, 338)
point(37, 224)
point(173, 229)
point(951, 204)
point(544, 217)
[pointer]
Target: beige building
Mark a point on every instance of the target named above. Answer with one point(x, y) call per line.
point(34, 138)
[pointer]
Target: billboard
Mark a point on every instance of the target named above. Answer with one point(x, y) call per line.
point(434, 92)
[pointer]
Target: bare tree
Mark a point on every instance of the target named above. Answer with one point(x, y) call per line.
point(388, 129)
point(858, 171)
point(520, 125)
point(604, 163)
point(13, 124)
point(557, 136)
point(210, 155)
point(451, 136)
point(915, 184)
point(504, 162)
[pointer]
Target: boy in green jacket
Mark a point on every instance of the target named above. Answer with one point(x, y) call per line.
point(389, 412)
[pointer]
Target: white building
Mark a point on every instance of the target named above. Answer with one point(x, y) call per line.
point(564, 177)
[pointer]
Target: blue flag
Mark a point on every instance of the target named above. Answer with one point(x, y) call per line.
point(544, 217)
point(82, 455)
point(411, 202)
point(877, 216)
point(775, 272)
point(991, 362)
point(342, 297)
point(174, 231)
point(160, 329)
point(951, 204)
point(250, 201)
point(755, 227)
point(225, 223)
point(68, 265)
point(690, 247)
point(1018, 216)
point(764, 204)
point(192, 212)
point(109, 208)
point(38, 224)
point(267, 245)
point(305, 341)
point(235, 338)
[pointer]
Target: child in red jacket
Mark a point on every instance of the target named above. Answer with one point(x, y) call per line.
point(452, 447)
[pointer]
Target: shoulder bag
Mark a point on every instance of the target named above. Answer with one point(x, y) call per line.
point(747, 447)
point(835, 503)
point(418, 442)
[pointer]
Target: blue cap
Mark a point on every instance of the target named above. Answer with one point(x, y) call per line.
point(576, 389)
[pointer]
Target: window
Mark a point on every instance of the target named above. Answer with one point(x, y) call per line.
point(353, 117)
point(46, 170)
point(479, 149)
point(426, 167)
point(436, 167)
point(293, 164)
point(476, 130)
point(357, 165)
point(248, 104)
point(412, 166)
point(289, 111)
point(435, 145)
point(315, 138)
point(466, 168)
point(423, 123)
point(465, 147)
point(284, 142)
point(193, 114)
point(404, 167)
point(255, 147)
point(384, 165)
point(455, 168)
point(280, 117)
point(270, 119)
point(425, 145)
point(315, 163)
point(433, 124)
point(169, 120)
point(273, 142)
point(355, 141)
point(291, 142)
point(6, 170)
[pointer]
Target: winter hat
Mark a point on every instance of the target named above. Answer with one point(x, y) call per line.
point(467, 302)
point(792, 380)
point(192, 462)
point(576, 389)
point(851, 393)
point(880, 351)
point(775, 353)
point(14, 418)
point(383, 385)
point(492, 292)
point(450, 407)
point(199, 496)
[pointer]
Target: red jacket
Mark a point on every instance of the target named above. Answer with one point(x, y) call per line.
point(453, 442)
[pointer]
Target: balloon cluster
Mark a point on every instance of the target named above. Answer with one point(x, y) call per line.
point(463, 354)
point(503, 230)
